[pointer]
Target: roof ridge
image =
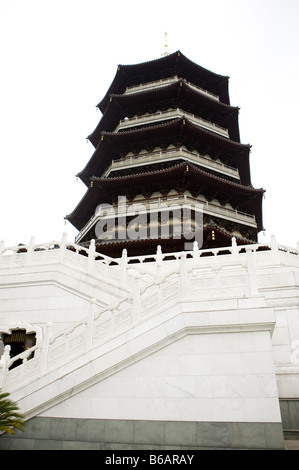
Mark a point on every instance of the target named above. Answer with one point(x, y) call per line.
point(172, 169)
point(168, 123)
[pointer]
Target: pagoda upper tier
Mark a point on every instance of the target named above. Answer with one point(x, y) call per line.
point(168, 136)
point(172, 65)
point(115, 146)
point(160, 104)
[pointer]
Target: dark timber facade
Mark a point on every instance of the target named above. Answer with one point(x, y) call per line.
point(168, 135)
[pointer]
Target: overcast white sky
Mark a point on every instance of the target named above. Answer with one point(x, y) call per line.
point(58, 58)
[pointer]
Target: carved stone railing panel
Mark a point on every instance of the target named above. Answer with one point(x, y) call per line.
point(147, 287)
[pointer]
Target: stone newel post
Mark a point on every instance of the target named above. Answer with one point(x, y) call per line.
point(91, 256)
point(4, 364)
point(123, 269)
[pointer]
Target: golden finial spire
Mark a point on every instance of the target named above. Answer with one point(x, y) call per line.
point(165, 46)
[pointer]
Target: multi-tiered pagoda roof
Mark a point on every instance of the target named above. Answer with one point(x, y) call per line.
point(167, 130)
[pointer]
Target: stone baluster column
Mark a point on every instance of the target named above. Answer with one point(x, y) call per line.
point(159, 259)
point(91, 256)
point(62, 244)
point(4, 365)
point(195, 253)
point(123, 269)
point(234, 249)
point(30, 250)
point(250, 255)
point(63, 241)
point(274, 249)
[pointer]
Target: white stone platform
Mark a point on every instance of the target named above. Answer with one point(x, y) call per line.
point(200, 336)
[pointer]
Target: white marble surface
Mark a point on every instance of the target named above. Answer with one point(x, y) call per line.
point(210, 338)
point(197, 378)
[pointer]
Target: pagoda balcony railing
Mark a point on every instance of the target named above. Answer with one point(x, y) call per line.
point(160, 229)
point(169, 155)
point(158, 204)
point(126, 123)
point(164, 82)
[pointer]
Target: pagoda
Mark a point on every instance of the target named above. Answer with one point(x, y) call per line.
point(168, 167)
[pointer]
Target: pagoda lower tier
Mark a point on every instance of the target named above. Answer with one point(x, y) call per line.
point(211, 236)
point(226, 208)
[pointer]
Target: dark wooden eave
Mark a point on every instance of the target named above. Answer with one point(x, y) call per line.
point(106, 190)
point(177, 131)
point(175, 64)
point(176, 95)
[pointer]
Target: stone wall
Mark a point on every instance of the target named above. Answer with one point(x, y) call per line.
point(92, 434)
